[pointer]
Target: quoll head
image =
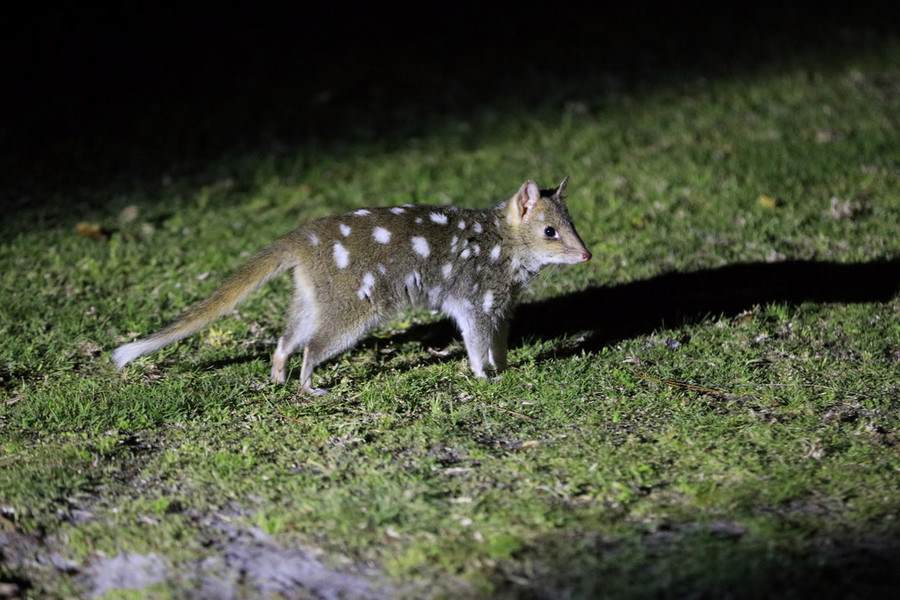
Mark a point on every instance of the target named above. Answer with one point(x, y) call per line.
point(542, 226)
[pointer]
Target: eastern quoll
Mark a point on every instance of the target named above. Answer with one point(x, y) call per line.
point(354, 271)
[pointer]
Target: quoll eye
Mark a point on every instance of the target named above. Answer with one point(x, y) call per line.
point(549, 232)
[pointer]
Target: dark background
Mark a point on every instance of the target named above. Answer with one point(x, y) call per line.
point(106, 96)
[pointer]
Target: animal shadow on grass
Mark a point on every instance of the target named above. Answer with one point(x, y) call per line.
point(606, 315)
point(706, 560)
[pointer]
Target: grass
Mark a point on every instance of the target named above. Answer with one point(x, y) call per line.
point(631, 450)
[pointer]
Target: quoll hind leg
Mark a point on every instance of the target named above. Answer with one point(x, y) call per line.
point(301, 324)
point(343, 331)
point(310, 360)
point(279, 361)
point(296, 335)
point(323, 346)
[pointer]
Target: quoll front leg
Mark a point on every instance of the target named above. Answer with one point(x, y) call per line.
point(477, 345)
point(478, 332)
point(497, 352)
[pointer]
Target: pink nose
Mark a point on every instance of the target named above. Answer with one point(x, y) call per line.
point(585, 256)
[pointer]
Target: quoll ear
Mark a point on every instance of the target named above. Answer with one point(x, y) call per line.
point(560, 192)
point(523, 203)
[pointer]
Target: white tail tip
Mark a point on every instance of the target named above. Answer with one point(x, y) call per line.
point(126, 353)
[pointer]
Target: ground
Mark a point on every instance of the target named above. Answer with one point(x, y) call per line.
point(709, 407)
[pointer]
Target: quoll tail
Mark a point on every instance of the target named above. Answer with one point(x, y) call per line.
point(266, 264)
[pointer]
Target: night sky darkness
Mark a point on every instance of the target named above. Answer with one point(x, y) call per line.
point(97, 95)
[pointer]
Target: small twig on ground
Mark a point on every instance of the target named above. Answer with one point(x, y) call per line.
point(514, 413)
point(700, 389)
point(294, 420)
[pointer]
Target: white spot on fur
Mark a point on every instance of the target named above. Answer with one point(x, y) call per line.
point(381, 235)
point(461, 224)
point(419, 220)
point(365, 290)
point(496, 222)
point(457, 308)
point(362, 212)
point(420, 246)
point(345, 229)
point(313, 238)
point(341, 256)
point(381, 269)
point(476, 249)
point(465, 253)
point(434, 295)
point(477, 227)
point(495, 253)
point(453, 241)
point(488, 301)
point(398, 210)
point(439, 218)
point(446, 270)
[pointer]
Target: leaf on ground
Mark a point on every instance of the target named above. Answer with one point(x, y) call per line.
point(91, 230)
point(768, 202)
point(218, 337)
point(89, 349)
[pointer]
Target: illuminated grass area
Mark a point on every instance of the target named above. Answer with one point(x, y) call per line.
point(670, 422)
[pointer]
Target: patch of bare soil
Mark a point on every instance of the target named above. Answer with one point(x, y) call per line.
point(243, 560)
